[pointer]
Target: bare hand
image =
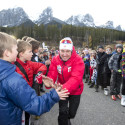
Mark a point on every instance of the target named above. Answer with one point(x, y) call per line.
point(47, 62)
point(62, 93)
point(48, 82)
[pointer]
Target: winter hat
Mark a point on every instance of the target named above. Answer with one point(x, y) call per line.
point(119, 46)
point(100, 46)
point(66, 43)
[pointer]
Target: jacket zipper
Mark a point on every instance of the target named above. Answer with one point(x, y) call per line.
point(62, 72)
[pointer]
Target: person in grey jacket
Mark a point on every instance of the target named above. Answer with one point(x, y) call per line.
point(114, 66)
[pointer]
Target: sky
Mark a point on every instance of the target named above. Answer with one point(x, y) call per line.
point(101, 10)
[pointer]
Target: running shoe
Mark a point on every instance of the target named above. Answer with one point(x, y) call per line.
point(113, 97)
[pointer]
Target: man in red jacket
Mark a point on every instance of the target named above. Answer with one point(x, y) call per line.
point(68, 67)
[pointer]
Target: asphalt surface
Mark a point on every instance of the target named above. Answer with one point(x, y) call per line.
point(95, 109)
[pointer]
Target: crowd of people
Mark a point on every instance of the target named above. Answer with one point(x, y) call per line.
point(26, 67)
point(106, 67)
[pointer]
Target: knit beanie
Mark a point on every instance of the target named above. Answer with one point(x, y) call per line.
point(66, 43)
point(119, 46)
point(100, 46)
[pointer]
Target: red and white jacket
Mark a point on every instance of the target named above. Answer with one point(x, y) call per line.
point(69, 73)
point(31, 68)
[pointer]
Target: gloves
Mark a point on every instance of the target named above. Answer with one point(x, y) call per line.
point(38, 78)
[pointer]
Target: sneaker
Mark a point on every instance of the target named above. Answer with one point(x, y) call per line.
point(123, 100)
point(119, 96)
point(106, 91)
point(113, 97)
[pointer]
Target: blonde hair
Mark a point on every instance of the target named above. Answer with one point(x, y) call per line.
point(6, 43)
point(108, 46)
point(23, 46)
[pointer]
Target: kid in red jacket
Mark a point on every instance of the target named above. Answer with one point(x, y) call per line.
point(27, 68)
point(68, 67)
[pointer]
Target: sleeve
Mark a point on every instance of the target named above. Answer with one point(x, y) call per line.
point(38, 67)
point(76, 76)
point(53, 73)
point(24, 97)
point(110, 63)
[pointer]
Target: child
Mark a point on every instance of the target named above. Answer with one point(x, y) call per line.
point(15, 94)
point(87, 64)
point(27, 68)
point(99, 67)
point(35, 48)
point(114, 66)
point(106, 71)
point(93, 67)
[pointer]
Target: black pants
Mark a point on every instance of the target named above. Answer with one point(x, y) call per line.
point(68, 109)
point(99, 80)
point(106, 79)
point(123, 86)
point(86, 72)
point(115, 83)
point(27, 116)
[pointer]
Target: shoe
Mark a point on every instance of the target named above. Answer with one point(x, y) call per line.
point(106, 91)
point(37, 117)
point(92, 85)
point(69, 123)
point(119, 96)
point(123, 100)
point(42, 90)
point(113, 97)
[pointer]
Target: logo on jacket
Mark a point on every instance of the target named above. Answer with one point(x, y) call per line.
point(59, 69)
point(69, 69)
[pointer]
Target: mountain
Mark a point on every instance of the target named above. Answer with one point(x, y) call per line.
point(110, 25)
point(47, 18)
point(17, 16)
point(118, 28)
point(81, 20)
point(27, 23)
point(13, 17)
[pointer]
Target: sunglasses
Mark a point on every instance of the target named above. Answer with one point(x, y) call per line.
point(66, 41)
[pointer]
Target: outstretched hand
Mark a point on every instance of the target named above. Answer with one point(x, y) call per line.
point(48, 82)
point(62, 93)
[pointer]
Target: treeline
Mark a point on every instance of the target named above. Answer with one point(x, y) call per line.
point(52, 34)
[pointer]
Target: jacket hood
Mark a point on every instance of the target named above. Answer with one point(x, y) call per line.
point(6, 68)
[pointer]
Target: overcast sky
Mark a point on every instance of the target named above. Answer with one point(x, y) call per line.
point(101, 10)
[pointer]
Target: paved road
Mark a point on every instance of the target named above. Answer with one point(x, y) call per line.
point(95, 109)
